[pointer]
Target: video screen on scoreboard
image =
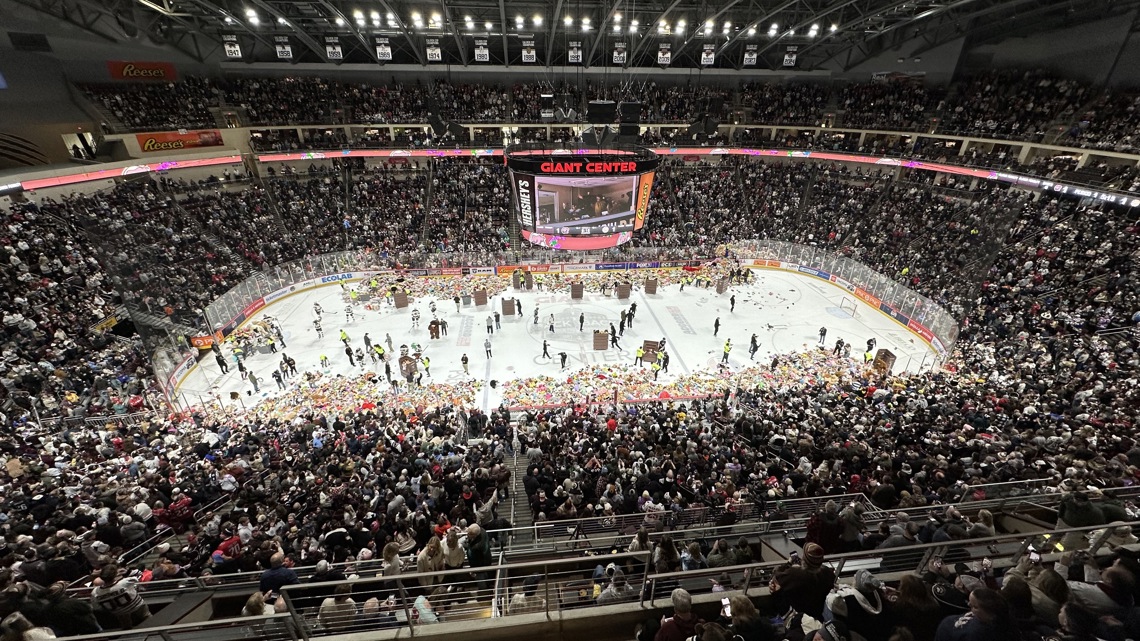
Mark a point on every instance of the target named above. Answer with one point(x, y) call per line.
point(585, 205)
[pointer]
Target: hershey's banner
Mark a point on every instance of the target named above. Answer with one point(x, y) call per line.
point(153, 71)
point(175, 140)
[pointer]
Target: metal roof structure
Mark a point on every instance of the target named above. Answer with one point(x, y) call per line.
point(729, 34)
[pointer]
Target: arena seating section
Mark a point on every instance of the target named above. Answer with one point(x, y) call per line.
point(1043, 395)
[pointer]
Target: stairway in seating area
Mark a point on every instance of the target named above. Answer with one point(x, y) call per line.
point(521, 516)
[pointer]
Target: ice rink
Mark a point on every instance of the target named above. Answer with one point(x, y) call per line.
point(783, 309)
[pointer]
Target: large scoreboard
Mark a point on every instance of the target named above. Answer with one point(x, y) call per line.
point(580, 197)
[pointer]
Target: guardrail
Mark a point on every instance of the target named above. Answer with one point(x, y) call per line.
point(601, 534)
point(414, 602)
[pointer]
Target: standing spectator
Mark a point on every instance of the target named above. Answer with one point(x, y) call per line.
point(806, 585)
point(277, 576)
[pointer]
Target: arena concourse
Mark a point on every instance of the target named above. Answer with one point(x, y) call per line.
point(842, 348)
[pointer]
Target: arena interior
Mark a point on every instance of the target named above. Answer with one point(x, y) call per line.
point(756, 320)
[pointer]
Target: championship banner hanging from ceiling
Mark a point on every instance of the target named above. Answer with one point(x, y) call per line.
point(574, 55)
point(750, 55)
point(528, 54)
point(383, 49)
point(790, 56)
point(482, 53)
point(284, 47)
point(231, 46)
point(664, 55)
point(708, 56)
point(434, 53)
point(619, 53)
point(332, 48)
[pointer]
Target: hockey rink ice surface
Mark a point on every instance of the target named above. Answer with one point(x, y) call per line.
point(784, 310)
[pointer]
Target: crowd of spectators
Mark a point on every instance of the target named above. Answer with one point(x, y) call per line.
point(1013, 104)
point(159, 106)
point(1041, 385)
point(1005, 104)
point(786, 103)
point(468, 209)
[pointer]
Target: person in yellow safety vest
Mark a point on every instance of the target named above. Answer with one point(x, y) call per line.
point(427, 365)
point(638, 357)
point(373, 284)
point(343, 337)
point(272, 345)
point(379, 349)
point(656, 369)
point(868, 357)
point(353, 295)
point(727, 349)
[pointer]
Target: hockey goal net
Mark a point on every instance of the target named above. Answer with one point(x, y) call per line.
point(848, 306)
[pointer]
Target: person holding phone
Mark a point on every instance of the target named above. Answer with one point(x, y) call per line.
point(681, 625)
point(745, 621)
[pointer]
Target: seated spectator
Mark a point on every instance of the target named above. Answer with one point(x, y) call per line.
point(338, 612)
point(746, 622)
point(1104, 593)
point(721, 555)
point(117, 594)
point(987, 620)
point(618, 590)
point(678, 627)
point(256, 605)
point(692, 559)
point(526, 600)
point(913, 607)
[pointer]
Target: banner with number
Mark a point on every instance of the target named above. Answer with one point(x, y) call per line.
point(482, 53)
point(434, 53)
point(790, 56)
point(528, 54)
point(231, 46)
point(664, 55)
point(750, 56)
point(574, 55)
point(383, 49)
point(284, 48)
point(332, 48)
point(708, 56)
point(619, 53)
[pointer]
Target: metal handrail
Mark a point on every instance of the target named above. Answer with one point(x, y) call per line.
point(842, 559)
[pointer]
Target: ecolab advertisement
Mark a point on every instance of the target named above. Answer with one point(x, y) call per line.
point(136, 71)
point(174, 141)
